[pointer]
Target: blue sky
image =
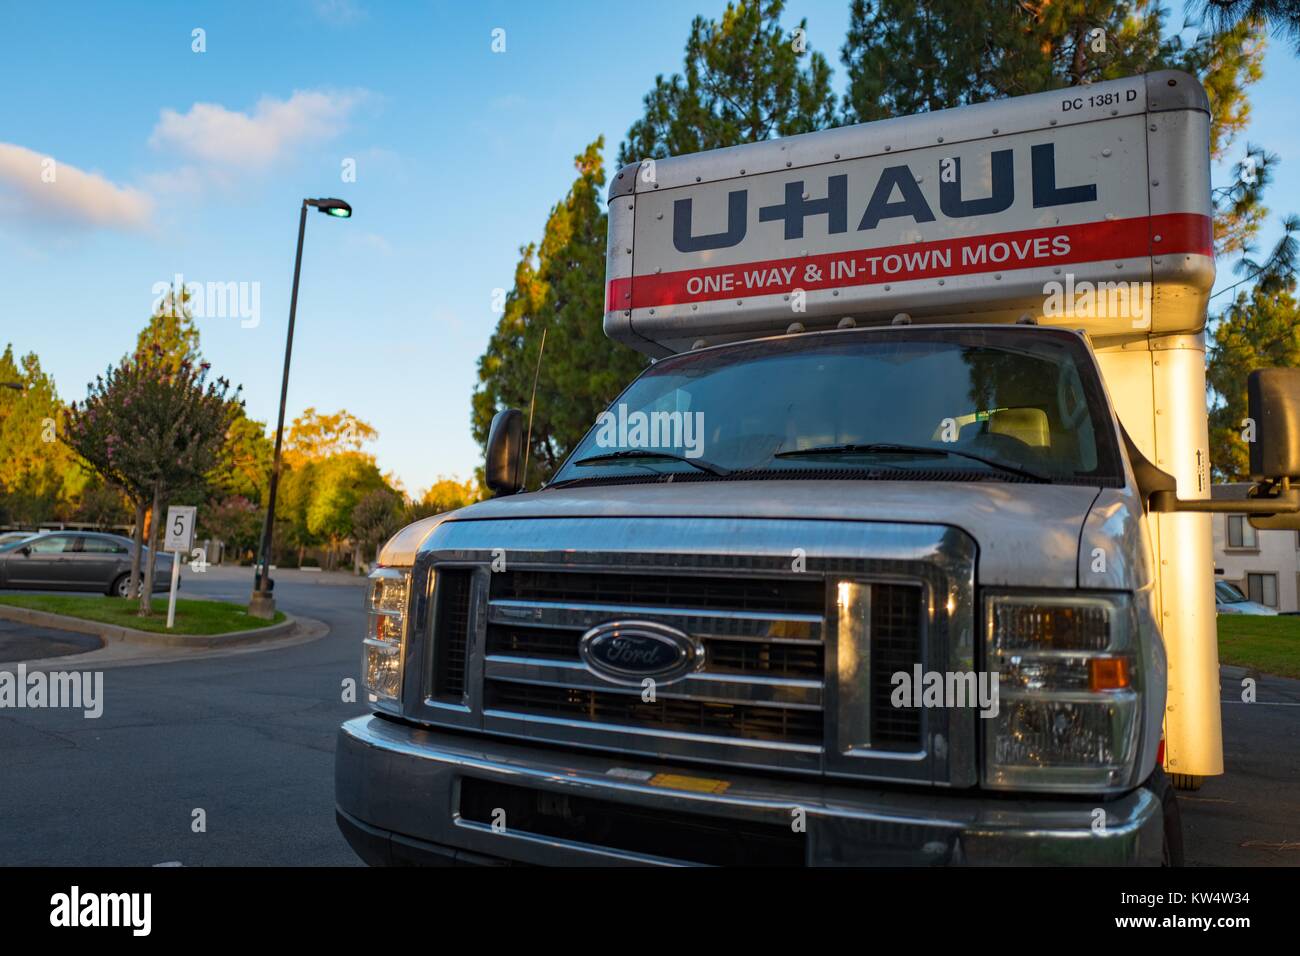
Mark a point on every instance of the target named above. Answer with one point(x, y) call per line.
point(178, 162)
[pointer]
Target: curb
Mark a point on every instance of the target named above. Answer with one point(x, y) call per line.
point(115, 634)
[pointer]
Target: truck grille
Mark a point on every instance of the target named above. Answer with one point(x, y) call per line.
point(674, 591)
point(895, 646)
point(683, 716)
point(454, 588)
point(731, 657)
point(758, 698)
point(793, 664)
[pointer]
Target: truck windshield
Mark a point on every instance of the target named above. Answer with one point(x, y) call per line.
point(1016, 404)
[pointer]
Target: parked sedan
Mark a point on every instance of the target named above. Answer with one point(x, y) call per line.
point(77, 561)
point(1228, 599)
point(9, 538)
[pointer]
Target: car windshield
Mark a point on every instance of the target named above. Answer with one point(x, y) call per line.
point(1011, 404)
point(1228, 593)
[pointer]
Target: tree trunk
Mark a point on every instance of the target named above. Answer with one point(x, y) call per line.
point(146, 593)
point(137, 535)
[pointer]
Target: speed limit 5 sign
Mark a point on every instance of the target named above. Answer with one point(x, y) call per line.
point(179, 533)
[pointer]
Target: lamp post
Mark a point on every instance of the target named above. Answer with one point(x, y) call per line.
point(262, 604)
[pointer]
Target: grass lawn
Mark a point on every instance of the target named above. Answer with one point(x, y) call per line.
point(192, 617)
point(1268, 644)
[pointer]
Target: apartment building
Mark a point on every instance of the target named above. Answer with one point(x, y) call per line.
point(1264, 564)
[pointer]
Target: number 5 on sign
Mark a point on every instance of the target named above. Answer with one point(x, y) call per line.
point(178, 539)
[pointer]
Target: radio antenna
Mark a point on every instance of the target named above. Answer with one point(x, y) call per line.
point(532, 404)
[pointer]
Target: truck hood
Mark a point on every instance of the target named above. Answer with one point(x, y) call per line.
point(1028, 535)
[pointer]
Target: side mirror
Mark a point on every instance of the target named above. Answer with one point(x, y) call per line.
point(505, 450)
point(1273, 396)
point(1273, 404)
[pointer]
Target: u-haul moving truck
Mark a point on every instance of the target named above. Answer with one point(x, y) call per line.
point(907, 515)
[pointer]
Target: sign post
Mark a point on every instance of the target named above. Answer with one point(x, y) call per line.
point(179, 539)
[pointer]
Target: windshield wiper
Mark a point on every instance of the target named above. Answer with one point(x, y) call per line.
point(890, 448)
point(633, 454)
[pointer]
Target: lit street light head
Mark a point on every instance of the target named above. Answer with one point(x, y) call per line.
point(332, 207)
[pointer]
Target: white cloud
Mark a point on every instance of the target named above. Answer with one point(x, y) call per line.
point(371, 240)
point(211, 134)
point(338, 12)
point(41, 188)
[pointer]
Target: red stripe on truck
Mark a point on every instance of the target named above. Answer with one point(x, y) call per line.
point(1170, 234)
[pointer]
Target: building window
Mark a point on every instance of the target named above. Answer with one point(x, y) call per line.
point(1240, 533)
point(1262, 589)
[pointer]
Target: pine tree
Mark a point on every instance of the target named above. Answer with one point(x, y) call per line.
point(1282, 16)
point(1261, 329)
point(744, 79)
point(170, 331)
point(38, 475)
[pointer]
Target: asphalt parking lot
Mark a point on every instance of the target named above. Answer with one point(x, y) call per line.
point(23, 642)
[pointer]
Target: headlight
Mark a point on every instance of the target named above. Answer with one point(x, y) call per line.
point(381, 661)
point(1068, 683)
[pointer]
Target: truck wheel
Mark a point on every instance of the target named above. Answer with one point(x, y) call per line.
point(1186, 781)
point(1172, 847)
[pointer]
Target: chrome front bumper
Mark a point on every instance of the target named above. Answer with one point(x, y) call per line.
point(398, 793)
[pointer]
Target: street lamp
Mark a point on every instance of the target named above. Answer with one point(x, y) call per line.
point(262, 604)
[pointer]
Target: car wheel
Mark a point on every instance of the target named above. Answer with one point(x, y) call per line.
point(121, 586)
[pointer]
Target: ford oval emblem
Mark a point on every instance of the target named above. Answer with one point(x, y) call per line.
point(627, 652)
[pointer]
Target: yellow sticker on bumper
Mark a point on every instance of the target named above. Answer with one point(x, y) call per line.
point(676, 781)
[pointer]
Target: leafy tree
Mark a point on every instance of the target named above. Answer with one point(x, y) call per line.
point(291, 505)
point(558, 292)
point(315, 436)
point(744, 79)
point(340, 482)
point(244, 466)
point(102, 505)
point(376, 518)
point(153, 428)
point(445, 494)
point(235, 521)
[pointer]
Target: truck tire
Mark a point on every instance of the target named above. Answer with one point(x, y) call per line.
point(1186, 781)
point(1172, 848)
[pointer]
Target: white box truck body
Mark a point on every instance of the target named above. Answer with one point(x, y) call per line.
point(902, 519)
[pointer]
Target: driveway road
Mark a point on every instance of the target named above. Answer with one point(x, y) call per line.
point(248, 739)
